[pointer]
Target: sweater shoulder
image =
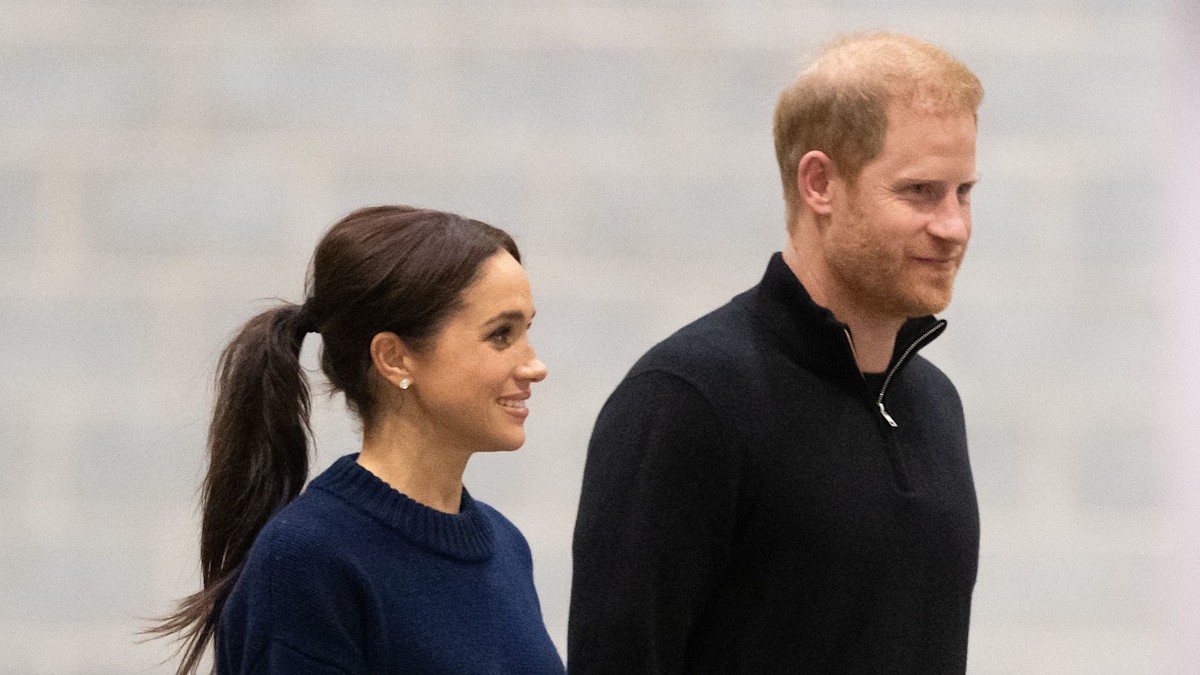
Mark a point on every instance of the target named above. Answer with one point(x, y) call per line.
point(308, 549)
point(315, 524)
point(299, 586)
point(721, 341)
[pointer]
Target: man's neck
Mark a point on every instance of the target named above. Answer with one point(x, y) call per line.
point(873, 343)
point(873, 338)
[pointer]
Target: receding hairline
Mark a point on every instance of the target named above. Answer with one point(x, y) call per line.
point(903, 69)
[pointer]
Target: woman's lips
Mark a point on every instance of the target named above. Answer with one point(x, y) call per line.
point(515, 406)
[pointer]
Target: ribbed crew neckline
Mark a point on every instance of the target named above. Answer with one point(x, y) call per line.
point(466, 535)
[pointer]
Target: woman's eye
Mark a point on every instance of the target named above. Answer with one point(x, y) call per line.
point(501, 337)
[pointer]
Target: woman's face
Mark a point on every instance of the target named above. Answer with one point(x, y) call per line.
point(471, 385)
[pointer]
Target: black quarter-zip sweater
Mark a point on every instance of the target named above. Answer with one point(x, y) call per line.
point(752, 504)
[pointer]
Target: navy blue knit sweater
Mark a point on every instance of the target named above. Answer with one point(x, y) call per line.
point(354, 577)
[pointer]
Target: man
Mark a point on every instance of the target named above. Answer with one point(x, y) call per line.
point(783, 485)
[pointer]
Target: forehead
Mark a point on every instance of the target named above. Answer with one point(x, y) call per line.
point(920, 139)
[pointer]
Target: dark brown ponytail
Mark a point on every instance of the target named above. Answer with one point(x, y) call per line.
point(385, 268)
point(258, 461)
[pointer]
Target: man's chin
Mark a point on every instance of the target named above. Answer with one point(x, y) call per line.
point(923, 304)
point(932, 305)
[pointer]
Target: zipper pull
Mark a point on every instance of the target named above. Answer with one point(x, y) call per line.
point(883, 411)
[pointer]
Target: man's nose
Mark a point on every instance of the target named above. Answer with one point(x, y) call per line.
point(952, 220)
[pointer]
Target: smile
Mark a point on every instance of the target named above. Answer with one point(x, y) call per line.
point(938, 262)
point(512, 403)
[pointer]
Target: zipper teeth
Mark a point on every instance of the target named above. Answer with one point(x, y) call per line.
point(904, 357)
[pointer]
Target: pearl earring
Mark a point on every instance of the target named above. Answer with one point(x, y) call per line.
point(405, 383)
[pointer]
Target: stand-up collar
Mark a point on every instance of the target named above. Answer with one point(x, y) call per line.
point(810, 332)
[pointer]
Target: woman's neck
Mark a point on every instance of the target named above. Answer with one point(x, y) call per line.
point(414, 466)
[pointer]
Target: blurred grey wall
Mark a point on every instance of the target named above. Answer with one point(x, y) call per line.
point(167, 167)
point(1183, 331)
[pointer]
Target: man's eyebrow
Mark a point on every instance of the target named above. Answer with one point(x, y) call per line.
point(511, 315)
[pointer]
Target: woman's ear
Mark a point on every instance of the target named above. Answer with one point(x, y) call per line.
point(814, 176)
point(392, 359)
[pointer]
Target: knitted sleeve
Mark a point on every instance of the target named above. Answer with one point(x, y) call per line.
point(656, 520)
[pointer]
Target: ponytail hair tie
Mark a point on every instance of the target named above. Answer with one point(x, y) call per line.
point(305, 322)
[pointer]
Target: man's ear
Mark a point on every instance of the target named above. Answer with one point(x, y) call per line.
point(392, 359)
point(814, 176)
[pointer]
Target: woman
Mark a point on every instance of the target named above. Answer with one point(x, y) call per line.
point(385, 564)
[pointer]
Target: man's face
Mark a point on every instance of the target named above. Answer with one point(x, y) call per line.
point(896, 237)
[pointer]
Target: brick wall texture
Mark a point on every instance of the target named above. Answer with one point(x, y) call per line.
point(166, 168)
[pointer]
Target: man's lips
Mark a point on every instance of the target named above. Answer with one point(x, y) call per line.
point(938, 261)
